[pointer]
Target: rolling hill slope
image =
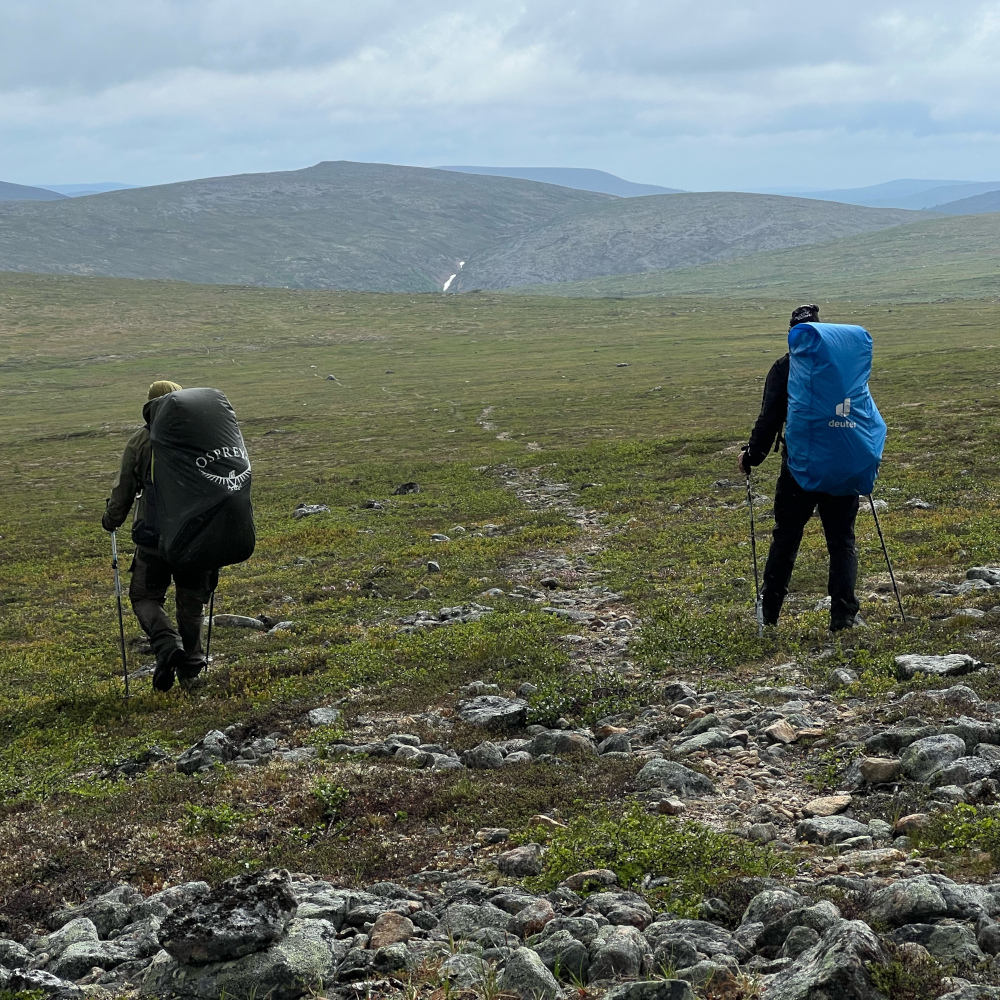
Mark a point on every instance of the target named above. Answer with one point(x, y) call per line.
point(666, 231)
point(360, 226)
point(989, 201)
point(23, 192)
point(940, 258)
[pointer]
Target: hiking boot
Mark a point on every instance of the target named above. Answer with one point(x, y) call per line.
point(166, 669)
point(192, 665)
point(851, 621)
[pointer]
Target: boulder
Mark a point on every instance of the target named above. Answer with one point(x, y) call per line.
point(493, 712)
point(238, 621)
point(949, 942)
point(463, 970)
point(836, 966)
point(462, 919)
point(922, 758)
point(952, 665)
point(14, 955)
point(521, 861)
point(244, 915)
point(487, 756)
point(214, 748)
point(562, 950)
point(323, 716)
point(532, 918)
point(909, 901)
point(34, 982)
point(827, 805)
point(771, 905)
point(617, 951)
point(390, 928)
point(78, 959)
point(558, 742)
point(306, 958)
point(163, 902)
point(526, 976)
point(680, 943)
point(877, 770)
point(828, 830)
point(670, 776)
point(108, 912)
point(622, 908)
point(78, 930)
point(592, 878)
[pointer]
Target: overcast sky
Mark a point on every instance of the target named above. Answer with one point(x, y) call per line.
point(698, 94)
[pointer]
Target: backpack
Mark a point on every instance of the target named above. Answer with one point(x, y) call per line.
point(199, 491)
point(834, 434)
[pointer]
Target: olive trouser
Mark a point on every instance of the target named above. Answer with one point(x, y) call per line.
point(151, 576)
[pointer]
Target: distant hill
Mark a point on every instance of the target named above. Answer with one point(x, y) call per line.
point(572, 177)
point(79, 190)
point(360, 226)
point(21, 192)
point(941, 258)
point(987, 202)
point(912, 194)
point(364, 226)
point(666, 231)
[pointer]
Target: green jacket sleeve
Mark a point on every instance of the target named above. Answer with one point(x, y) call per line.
point(129, 482)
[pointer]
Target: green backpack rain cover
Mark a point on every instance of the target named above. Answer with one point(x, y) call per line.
point(200, 480)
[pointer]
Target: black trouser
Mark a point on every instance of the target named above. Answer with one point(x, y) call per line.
point(147, 591)
point(793, 507)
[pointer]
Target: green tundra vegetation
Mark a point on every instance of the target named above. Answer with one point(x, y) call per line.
point(644, 402)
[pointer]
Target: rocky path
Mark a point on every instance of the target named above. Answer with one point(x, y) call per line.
point(838, 785)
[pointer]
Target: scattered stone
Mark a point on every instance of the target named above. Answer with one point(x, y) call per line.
point(307, 510)
point(547, 821)
point(952, 665)
point(526, 976)
point(843, 676)
point(590, 879)
point(433, 566)
point(829, 829)
point(532, 918)
point(781, 731)
point(405, 488)
point(438, 537)
point(911, 823)
point(617, 951)
point(521, 861)
point(673, 777)
point(652, 989)
point(390, 928)
point(493, 835)
point(323, 716)
point(491, 711)
point(214, 748)
point(238, 621)
point(32, 982)
point(486, 756)
point(878, 770)
point(923, 757)
point(827, 805)
point(670, 807)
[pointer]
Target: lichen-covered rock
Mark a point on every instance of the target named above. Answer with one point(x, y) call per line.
point(952, 665)
point(108, 912)
point(909, 901)
point(829, 829)
point(532, 918)
point(214, 748)
point(390, 928)
point(462, 919)
point(949, 942)
point(922, 758)
point(78, 930)
point(493, 712)
point(673, 777)
point(78, 959)
point(622, 908)
point(486, 755)
point(37, 981)
point(526, 976)
point(618, 951)
point(244, 915)
point(562, 950)
point(681, 943)
point(161, 903)
point(836, 966)
point(307, 956)
point(521, 861)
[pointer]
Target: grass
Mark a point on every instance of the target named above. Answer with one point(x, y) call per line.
point(448, 391)
point(936, 260)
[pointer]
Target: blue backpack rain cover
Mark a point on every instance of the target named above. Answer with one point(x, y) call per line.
point(834, 433)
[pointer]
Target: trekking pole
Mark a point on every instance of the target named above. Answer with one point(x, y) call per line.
point(888, 562)
point(758, 605)
point(118, 596)
point(208, 641)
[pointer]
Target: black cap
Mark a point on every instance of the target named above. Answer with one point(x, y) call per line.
point(804, 314)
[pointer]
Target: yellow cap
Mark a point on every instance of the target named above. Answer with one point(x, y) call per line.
point(161, 388)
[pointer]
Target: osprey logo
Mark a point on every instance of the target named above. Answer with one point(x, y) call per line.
point(233, 480)
point(843, 410)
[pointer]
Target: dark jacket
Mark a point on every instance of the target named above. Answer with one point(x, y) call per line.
point(773, 410)
point(130, 487)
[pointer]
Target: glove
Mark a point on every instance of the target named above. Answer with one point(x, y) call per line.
point(106, 523)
